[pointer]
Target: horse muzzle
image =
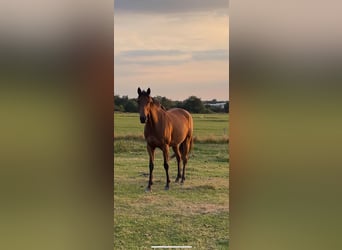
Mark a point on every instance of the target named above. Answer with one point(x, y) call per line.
point(142, 119)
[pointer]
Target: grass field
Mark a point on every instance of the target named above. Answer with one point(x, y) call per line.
point(195, 213)
point(207, 127)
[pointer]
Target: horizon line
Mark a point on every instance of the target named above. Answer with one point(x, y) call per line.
point(218, 100)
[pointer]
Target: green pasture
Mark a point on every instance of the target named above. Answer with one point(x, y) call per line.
point(196, 213)
point(207, 127)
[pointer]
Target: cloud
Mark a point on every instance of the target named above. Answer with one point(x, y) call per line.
point(198, 31)
point(170, 6)
point(168, 57)
point(152, 57)
point(209, 55)
point(143, 53)
point(170, 45)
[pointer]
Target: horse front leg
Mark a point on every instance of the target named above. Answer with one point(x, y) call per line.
point(151, 166)
point(166, 165)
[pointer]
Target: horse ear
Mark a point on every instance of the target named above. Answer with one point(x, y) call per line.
point(148, 91)
point(139, 91)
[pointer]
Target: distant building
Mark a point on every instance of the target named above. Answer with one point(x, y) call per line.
point(218, 104)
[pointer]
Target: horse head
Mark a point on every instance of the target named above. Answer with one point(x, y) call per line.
point(144, 102)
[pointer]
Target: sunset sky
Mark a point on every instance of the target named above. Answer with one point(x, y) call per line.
point(178, 48)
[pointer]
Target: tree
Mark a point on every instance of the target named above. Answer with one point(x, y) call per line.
point(226, 107)
point(120, 100)
point(167, 103)
point(194, 105)
point(119, 108)
point(179, 104)
point(131, 106)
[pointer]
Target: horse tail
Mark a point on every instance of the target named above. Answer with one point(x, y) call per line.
point(191, 135)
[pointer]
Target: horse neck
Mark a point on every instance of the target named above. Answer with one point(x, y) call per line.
point(156, 114)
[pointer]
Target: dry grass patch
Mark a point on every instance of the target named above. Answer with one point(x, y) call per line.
point(176, 206)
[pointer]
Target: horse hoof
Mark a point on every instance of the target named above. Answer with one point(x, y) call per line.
point(166, 188)
point(177, 180)
point(147, 190)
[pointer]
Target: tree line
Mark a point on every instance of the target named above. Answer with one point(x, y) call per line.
point(193, 104)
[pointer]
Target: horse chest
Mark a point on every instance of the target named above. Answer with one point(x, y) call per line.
point(156, 138)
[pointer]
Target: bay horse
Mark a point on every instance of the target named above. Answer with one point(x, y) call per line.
point(165, 129)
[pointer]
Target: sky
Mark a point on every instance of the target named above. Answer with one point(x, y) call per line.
point(178, 48)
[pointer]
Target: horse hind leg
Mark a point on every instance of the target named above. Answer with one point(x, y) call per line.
point(185, 155)
point(178, 157)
